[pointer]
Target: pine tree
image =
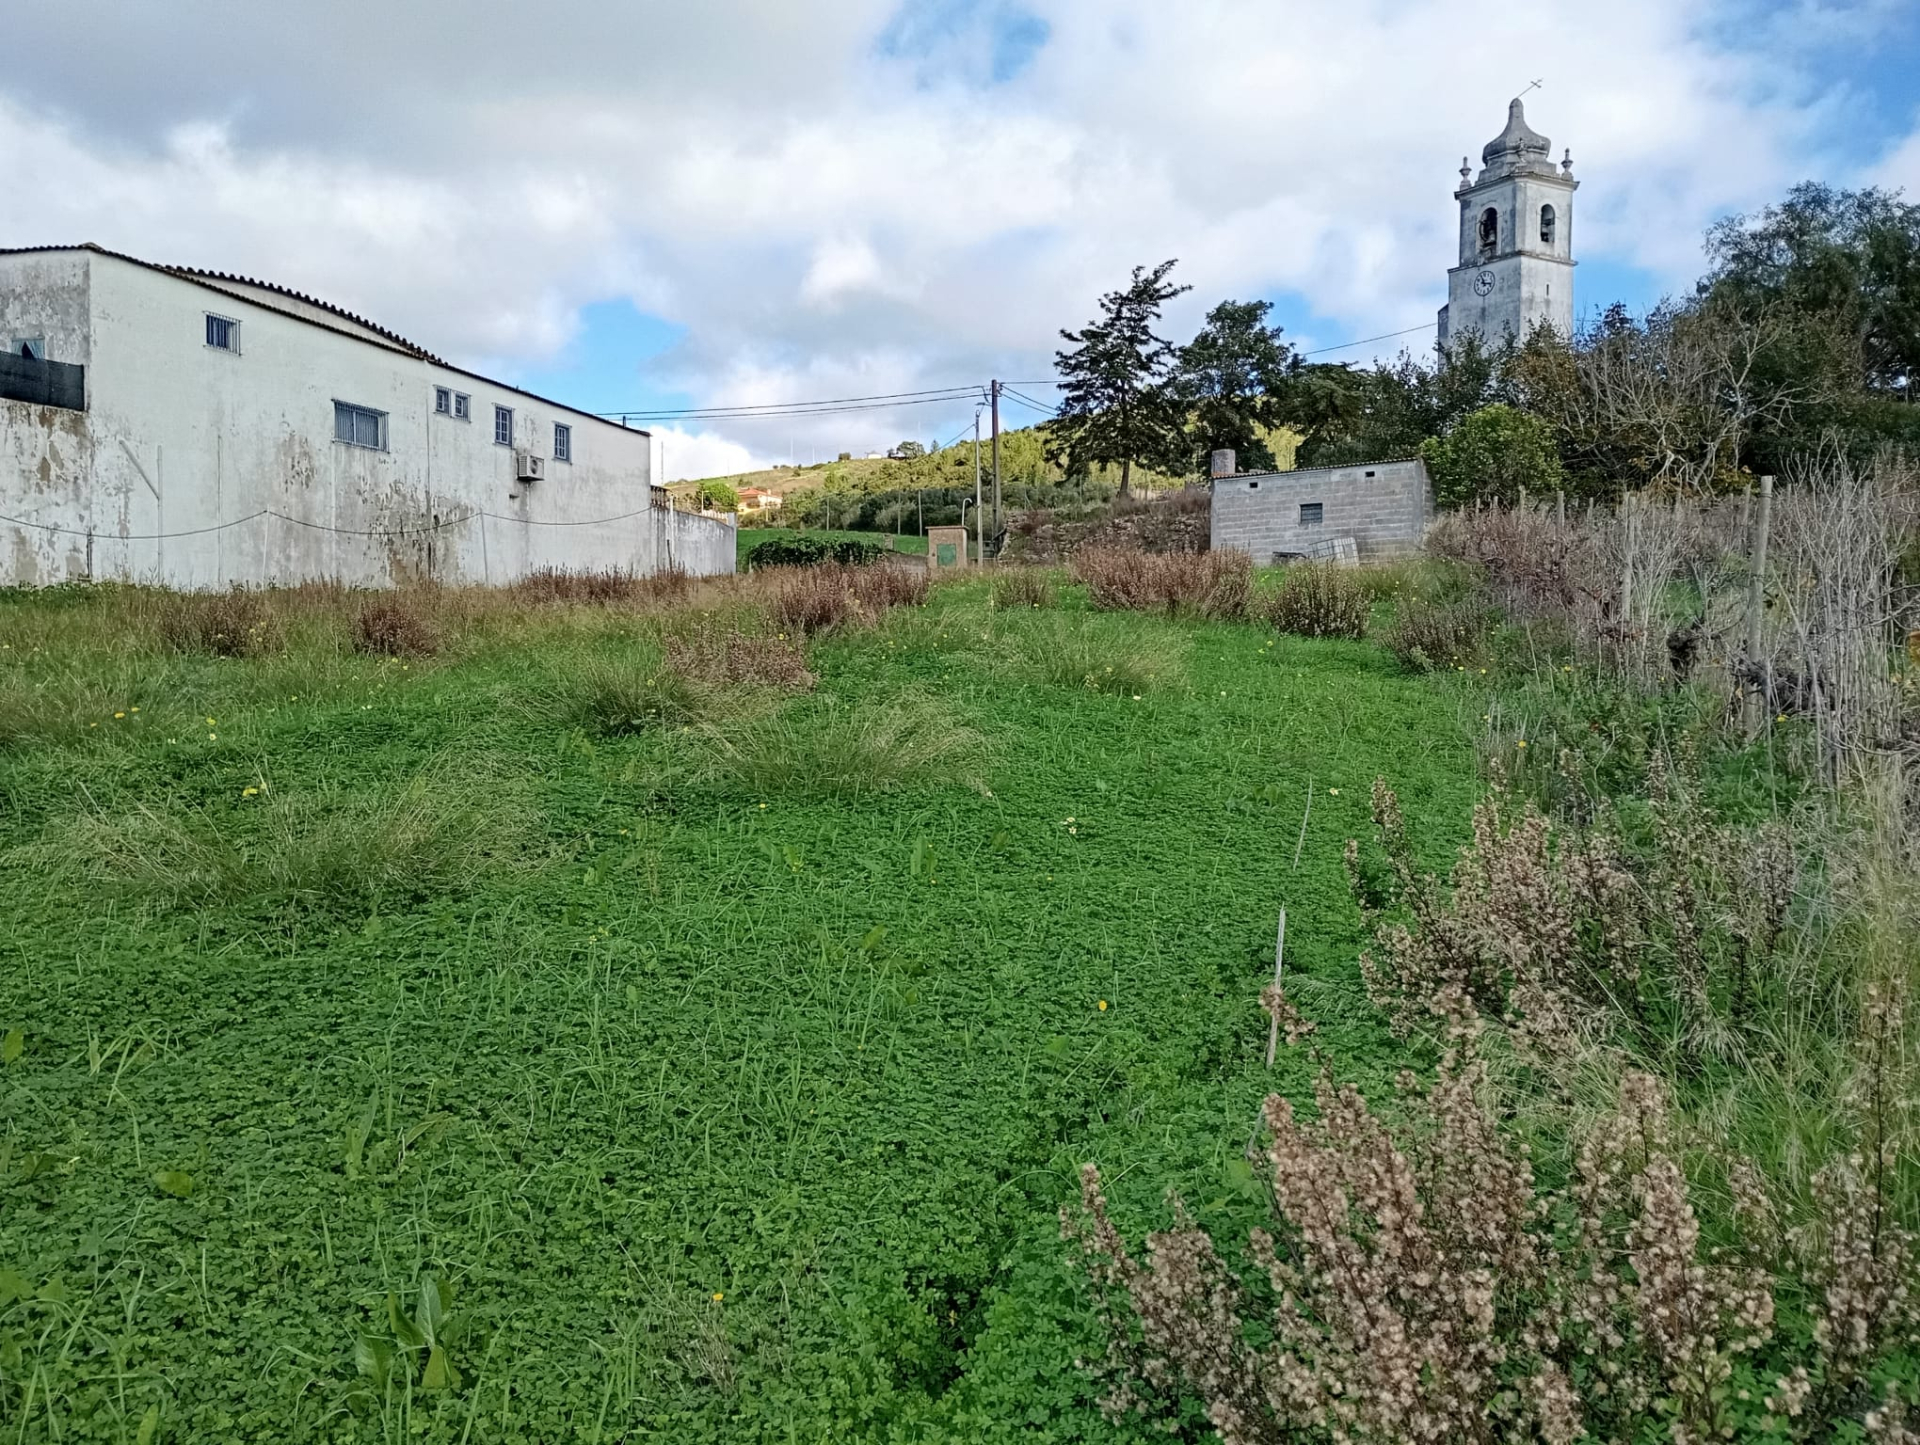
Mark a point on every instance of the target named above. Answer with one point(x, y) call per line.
point(1115, 404)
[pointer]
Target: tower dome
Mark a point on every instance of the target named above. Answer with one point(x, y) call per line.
point(1519, 148)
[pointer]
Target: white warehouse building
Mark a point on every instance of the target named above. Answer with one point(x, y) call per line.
point(198, 430)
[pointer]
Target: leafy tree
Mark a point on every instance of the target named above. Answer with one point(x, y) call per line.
point(1850, 258)
point(907, 451)
point(1493, 454)
point(1229, 380)
point(716, 495)
point(1348, 415)
point(1115, 406)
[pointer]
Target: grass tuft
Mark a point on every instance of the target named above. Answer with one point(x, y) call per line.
point(430, 834)
point(1098, 654)
point(1023, 589)
point(236, 623)
point(838, 749)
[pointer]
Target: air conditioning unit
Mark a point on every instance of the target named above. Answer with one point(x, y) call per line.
point(528, 467)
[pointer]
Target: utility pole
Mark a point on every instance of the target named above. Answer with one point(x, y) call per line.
point(979, 527)
point(996, 466)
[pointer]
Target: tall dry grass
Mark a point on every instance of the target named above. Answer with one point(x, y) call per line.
point(1199, 584)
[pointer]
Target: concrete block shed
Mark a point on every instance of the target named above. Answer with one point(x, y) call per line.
point(1383, 506)
point(197, 430)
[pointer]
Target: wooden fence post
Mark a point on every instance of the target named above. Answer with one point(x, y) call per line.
point(1757, 688)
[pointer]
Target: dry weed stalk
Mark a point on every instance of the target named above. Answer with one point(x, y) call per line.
point(1549, 930)
point(721, 658)
point(1418, 1285)
point(1205, 584)
point(1838, 537)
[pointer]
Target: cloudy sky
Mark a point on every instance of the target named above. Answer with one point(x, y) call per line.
point(656, 205)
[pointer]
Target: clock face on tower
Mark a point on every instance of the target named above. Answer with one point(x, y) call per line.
point(1483, 284)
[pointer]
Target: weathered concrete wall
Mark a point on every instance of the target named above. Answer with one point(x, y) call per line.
point(199, 468)
point(1383, 506)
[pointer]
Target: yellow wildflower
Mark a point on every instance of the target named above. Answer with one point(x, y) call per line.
point(1103, 1005)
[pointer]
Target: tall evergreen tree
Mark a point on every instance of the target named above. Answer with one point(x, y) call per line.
point(1229, 380)
point(1115, 405)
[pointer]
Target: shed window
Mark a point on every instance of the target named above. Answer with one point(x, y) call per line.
point(223, 333)
point(1311, 513)
point(1546, 224)
point(443, 401)
point(359, 426)
point(562, 443)
point(503, 426)
point(462, 406)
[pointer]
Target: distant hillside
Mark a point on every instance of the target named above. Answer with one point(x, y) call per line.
point(1023, 464)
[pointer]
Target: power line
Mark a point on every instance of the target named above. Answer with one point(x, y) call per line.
point(887, 401)
point(1039, 406)
point(1348, 345)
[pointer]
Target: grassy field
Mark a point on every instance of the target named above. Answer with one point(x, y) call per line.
point(728, 1075)
point(750, 537)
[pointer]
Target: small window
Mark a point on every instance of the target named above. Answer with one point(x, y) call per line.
point(359, 426)
point(503, 426)
point(34, 348)
point(1311, 513)
point(223, 334)
point(1546, 225)
point(443, 401)
point(1490, 229)
point(462, 406)
point(562, 443)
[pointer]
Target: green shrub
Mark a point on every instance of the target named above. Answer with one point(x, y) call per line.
point(811, 551)
point(1493, 454)
point(1318, 599)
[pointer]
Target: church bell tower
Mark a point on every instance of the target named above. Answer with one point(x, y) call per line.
point(1516, 240)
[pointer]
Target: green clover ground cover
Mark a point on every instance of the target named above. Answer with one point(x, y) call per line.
point(477, 1078)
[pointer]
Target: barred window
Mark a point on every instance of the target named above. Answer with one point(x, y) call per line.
point(359, 426)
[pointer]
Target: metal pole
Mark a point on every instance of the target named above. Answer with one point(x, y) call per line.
point(1756, 609)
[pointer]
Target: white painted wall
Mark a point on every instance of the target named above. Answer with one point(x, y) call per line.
point(180, 439)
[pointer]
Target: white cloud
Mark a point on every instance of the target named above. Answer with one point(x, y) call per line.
point(824, 218)
point(681, 455)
